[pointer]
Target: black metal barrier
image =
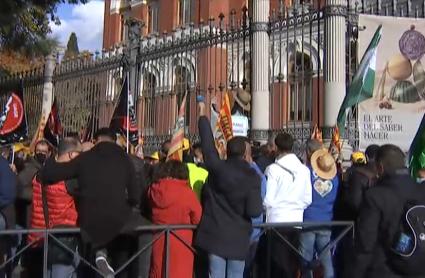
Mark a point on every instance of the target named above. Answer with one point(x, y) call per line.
point(167, 230)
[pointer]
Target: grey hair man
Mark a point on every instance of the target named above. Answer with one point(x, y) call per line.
point(312, 145)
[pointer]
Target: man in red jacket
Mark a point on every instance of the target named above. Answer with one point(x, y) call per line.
point(61, 209)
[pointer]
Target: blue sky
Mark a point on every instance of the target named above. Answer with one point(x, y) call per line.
point(85, 20)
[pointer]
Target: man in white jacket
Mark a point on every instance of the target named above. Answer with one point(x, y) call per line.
point(288, 194)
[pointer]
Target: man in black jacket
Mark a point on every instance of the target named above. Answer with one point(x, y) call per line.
point(359, 178)
point(231, 197)
point(380, 214)
point(107, 191)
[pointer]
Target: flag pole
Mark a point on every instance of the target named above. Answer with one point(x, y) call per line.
point(128, 112)
point(13, 155)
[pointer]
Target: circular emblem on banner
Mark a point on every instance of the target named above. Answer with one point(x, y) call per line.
point(412, 44)
point(14, 115)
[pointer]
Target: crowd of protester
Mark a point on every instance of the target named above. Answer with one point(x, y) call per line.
point(112, 195)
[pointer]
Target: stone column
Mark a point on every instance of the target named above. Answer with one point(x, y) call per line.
point(260, 70)
point(335, 65)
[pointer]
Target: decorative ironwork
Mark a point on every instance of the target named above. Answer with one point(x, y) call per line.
point(335, 10)
point(259, 135)
point(259, 27)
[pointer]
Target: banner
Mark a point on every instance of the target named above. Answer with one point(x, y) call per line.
point(13, 122)
point(392, 115)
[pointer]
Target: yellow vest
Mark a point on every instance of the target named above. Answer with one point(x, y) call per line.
point(197, 178)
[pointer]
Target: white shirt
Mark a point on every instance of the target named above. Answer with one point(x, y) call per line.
point(288, 193)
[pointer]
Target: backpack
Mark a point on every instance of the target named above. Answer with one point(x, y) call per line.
point(408, 247)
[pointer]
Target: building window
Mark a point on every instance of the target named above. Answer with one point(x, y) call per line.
point(153, 20)
point(185, 11)
point(300, 88)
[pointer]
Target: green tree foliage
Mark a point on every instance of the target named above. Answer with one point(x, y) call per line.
point(24, 24)
point(72, 47)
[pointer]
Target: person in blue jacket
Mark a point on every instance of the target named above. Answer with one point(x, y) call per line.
point(324, 181)
point(256, 232)
point(8, 186)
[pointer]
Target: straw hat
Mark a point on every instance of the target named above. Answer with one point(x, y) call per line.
point(243, 98)
point(323, 164)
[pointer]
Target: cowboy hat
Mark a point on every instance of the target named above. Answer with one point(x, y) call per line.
point(243, 98)
point(323, 164)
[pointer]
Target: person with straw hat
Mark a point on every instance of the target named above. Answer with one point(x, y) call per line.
point(325, 183)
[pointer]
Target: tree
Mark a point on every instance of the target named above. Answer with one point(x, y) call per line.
point(24, 24)
point(72, 47)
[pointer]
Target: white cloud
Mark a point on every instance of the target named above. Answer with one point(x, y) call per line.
point(87, 23)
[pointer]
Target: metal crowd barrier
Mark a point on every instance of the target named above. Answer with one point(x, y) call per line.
point(167, 230)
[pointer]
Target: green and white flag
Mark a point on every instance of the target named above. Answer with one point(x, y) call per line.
point(361, 87)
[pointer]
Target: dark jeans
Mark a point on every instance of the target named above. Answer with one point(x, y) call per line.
point(33, 263)
point(283, 260)
point(313, 243)
point(201, 263)
point(250, 260)
point(222, 267)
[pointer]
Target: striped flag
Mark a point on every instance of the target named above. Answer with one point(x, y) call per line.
point(176, 148)
point(221, 124)
point(317, 134)
point(336, 144)
point(363, 83)
point(225, 118)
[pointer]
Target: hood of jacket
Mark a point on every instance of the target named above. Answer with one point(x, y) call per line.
point(291, 162)
point(166, 192)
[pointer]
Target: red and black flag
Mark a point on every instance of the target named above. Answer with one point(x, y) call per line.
point(124, 117)
point(53, 130)
point(13, 122)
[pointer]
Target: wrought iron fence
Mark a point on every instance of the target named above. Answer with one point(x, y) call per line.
point(340, 229)
point(207, 60)
point(85, 89)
